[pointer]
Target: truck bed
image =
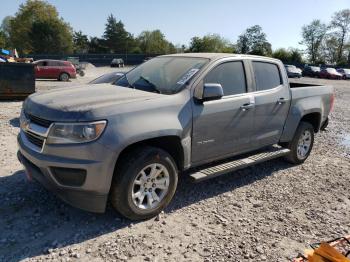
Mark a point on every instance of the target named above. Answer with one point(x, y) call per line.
point(306, 99)
point(297, 85)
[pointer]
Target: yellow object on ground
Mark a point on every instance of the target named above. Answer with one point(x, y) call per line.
point(326, 253)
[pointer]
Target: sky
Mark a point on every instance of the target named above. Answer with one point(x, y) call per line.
point(180, 20)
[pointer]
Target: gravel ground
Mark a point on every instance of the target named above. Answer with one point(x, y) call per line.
point(269, 212)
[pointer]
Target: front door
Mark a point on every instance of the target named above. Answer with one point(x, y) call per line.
point(41, 69)
point(223, 127)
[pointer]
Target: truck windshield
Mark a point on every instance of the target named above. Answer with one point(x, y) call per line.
point(164, 75)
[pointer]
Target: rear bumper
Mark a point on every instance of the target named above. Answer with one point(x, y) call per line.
point(73, 75)
point(324, 125)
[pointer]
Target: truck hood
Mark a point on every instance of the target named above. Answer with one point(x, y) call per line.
point(72, 104)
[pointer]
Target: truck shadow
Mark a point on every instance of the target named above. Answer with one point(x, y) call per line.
point(33, 220)
point(14, 122)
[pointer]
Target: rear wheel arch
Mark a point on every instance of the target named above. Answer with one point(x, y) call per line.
point(314, 119)
point(64, 73)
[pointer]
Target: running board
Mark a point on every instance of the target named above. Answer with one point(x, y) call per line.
point(224, 168)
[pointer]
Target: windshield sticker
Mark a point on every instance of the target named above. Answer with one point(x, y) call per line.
point(188, 76)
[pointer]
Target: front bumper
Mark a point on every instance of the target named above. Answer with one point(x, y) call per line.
point(93, 193)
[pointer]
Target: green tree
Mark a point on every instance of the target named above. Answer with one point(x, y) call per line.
point(32, 16)
point(115, 36)
point(288, 56)
point(97, 45)
point(4, 33)
point(3, 40)
point(341, 23)
point(210, 43)
point(253, 41)
point(81, 42)
point(313, 35)
point(296, 57)
point(154, 42)
point(47, 37)
point(329, 48)
point(282, 54)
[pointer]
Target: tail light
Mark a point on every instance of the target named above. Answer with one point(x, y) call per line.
point(332, 102)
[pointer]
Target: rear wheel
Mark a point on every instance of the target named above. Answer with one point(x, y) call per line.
point(64, 77)
point(301, 145)
point(144, 183)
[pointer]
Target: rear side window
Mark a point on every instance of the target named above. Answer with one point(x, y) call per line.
point(230, 75)
point(56, 63)
point(267, 75)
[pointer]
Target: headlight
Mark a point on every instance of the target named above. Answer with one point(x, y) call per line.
point(64, 133)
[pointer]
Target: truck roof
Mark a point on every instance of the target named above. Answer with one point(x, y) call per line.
point(215, 56)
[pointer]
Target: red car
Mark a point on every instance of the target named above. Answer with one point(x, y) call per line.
point(330, 73)
point(54, 69)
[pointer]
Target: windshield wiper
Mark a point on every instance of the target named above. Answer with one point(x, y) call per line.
point(151, 84)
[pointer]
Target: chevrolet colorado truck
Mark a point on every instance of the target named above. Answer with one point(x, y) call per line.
point(198, 115)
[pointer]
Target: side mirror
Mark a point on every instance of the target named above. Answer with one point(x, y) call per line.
point(212, 91)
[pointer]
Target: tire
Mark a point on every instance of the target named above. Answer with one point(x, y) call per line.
point(81, 73)
point(128, 182)
point(294, 157)
point(64, 77)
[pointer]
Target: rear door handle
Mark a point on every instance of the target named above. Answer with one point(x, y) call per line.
point(247, 106)
point(281, 101)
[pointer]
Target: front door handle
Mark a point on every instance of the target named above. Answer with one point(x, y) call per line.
point(281, 101)
point(247, 106)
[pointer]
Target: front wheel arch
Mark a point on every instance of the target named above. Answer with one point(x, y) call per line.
point(128, 170)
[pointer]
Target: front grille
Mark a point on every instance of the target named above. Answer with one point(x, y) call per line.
point(39, 121)
point(34, 139)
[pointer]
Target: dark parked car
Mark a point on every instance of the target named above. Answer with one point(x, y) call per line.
point(312, 71)
point(330, 73)
point(108, 78)
point(344, 72)
point(293, 71)
point(54, 69)
point(117, 62)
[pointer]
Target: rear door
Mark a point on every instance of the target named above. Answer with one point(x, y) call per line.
point(272, 101)
point(222, 127)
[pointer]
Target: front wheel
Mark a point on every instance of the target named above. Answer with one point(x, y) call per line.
point(302, 143)
point(144, 183)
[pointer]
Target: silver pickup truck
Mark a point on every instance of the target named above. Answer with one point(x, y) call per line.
point(200, 115)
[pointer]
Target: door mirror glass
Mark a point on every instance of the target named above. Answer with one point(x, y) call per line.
point(212, 91)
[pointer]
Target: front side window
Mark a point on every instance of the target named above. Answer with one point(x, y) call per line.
point(230, 75)
point(267, 75)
